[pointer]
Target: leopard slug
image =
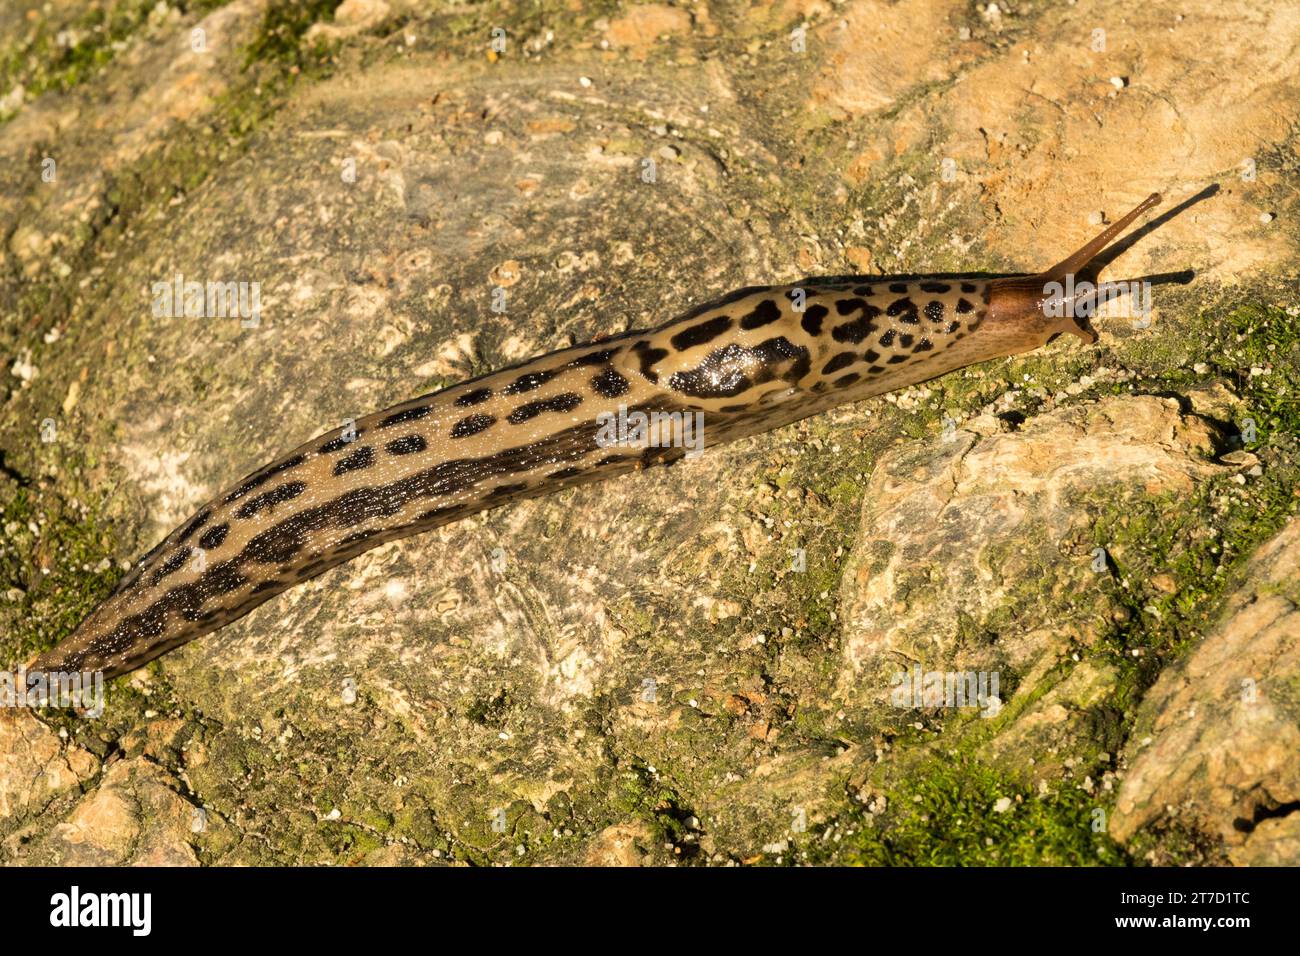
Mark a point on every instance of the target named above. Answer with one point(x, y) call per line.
point(757, 359)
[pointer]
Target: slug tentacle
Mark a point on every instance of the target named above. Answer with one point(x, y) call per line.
point(754, 360)
point(1025, 312)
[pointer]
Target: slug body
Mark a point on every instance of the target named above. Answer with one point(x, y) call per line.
point(755, 360)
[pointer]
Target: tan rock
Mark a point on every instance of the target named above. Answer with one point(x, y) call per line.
point(1217, 737)
point(133, 817)
point(624, 844)
point(956, 529)
point(35, 765)
point(642, 25)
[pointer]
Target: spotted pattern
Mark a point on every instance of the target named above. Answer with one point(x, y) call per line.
point(751, 361)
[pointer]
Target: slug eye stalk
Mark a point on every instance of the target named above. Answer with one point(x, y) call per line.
point(1039, 307)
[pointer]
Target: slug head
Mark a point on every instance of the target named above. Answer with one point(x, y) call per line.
point(1026, 312)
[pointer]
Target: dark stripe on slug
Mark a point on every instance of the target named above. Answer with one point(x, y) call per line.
point(935, 287)
point(648, 356)
point(269, 499)
point(854, 332)
point(171, 565)
point(285, 540)
point(505, 491)
point(361, 458)
point(564, 473)
point(472, 425)
point(261, 477)
point(593, 358)
point(560, 403)
point(475, 397)
point(195, 524)
point(213, 537)
point(706, 331)
point(812, 319)
point(528, 381)
point(924, 345)
point(765, 313)
point(846, 380)
point(841, 361)
point(610, 384)
point(338, 444)
point(898, 287)
point(406, 445)
point(409, 415)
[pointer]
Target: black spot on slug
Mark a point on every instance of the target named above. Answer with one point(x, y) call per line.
point(338, 444)
point(699, 334)
point(261, 477)
point(934, 310)
point(560, 403)
point(471, 425)
point(361, 458)
point(610, 384)
point(841, 361)
point(846, 380)
point(269, 499)
point(765, 313)
point(478, 396)
point(649, 356)
point(406, 445)
point(964, 307)
point(505, 491)
point(812, 319)
point(172, 565)
point(528, 381)
point(939, 287)
point(195, 524)
point(593, 358)
point(213, 537)
point(410, 415)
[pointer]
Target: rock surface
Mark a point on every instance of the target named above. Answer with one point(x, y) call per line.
point(1217, 737)
point(694, 664)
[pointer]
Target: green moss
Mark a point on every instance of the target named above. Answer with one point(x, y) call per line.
point(943, 814)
